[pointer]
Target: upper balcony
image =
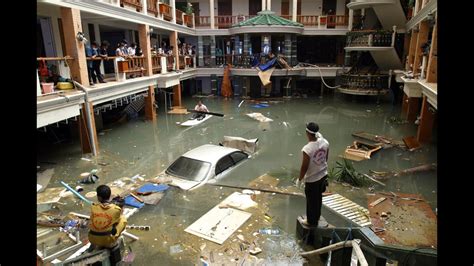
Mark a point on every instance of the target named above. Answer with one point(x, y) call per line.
point(320, 22)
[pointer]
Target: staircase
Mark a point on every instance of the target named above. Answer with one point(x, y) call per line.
point(389, 12)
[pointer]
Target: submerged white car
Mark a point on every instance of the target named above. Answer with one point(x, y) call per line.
point(203, 164)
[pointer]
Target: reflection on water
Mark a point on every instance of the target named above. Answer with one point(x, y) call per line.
point(140, 147)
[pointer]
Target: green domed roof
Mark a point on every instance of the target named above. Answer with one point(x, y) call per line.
point(267, 18)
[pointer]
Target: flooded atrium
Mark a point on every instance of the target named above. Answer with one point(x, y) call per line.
point(174, 132)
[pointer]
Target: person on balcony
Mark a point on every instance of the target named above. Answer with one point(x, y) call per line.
point(97, 53)
point(132, 49)
point(200, 108)
point(90, 53)
point(120, 51)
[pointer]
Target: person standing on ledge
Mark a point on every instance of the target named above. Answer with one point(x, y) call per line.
point(200, 108)
point(314, 170)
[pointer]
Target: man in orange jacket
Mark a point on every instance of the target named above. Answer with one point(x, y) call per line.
point(106, 221)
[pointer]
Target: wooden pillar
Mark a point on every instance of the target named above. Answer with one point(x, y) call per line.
point(411, 52)
point(145, 44)
point(84, 132)
point(176, 88)
point(71, 25)
point(211, 14)
point(411, 109)
point(422, 39)
point(404, 105)
point(294, 7)
point(425, 128)
point(432, 71)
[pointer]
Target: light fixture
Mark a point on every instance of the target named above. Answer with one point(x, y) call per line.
point(80, 37)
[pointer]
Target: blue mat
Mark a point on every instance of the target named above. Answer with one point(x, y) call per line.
point(131, 201)
point(149, 187)
point(262, 105)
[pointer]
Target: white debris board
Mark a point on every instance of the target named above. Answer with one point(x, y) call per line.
point(347, 208)
point(218, 224)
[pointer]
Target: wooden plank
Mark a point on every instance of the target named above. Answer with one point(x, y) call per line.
point(425, 128)
point(377, 201)
point(432, 70)
point(411, 143)
point(422, 39)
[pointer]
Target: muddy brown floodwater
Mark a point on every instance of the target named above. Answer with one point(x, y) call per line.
point(140, 147)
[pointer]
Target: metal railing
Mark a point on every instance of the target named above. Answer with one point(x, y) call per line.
point(362, 81)
point(371, 38)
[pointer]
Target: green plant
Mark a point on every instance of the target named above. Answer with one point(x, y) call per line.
point(345, 172)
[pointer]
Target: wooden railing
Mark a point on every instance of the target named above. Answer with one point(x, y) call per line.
point(203, 21)
point(136, 64)
point(152, 7)
point(179, 16)
point(307, 20)
point(286, 16)
point(166, 11)
point(134, 3)
point(156, 64)
point(188, 20)
point(225, 22)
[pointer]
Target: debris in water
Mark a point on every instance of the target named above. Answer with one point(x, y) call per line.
point(176, 249)
point(86, 159)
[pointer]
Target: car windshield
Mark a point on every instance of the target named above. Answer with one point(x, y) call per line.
point(189, 169)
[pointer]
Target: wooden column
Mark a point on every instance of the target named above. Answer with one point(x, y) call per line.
point(406, 50)
point(176, 88)
point(411, 52)
point(432, 71)
point(145, 44)
point(425, 128)
point(84, 132)
point(71, 25)
point(404, 105)
point(412, 107)
point(422, 39)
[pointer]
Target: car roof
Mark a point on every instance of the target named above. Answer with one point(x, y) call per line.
point(209, 153)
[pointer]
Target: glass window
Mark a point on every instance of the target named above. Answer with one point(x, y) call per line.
point(223, 164)
point(238, 156)
point(189, 169)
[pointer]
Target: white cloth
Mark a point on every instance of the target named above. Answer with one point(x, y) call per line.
point(201, 108)
point(131, 51)
point(318, 166)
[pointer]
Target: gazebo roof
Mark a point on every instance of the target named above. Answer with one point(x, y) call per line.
point(267, 18)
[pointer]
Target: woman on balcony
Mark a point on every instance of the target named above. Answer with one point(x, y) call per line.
point(132, 49)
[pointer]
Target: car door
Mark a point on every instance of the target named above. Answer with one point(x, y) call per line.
point(228, 161)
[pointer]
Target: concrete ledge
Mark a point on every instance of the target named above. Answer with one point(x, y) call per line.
point(430, 90)
point(359, 4)
point(430, 7)
point(411, 88)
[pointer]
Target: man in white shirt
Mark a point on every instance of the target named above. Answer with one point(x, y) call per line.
point(201, 108)
point(314, 170)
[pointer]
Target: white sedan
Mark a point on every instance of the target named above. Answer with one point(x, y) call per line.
point(203, 164)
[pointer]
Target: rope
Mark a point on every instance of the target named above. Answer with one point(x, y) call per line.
point(321, 75)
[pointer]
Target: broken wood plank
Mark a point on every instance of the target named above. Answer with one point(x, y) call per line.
point(411, 143)
point(376, 181)
point(377, 201)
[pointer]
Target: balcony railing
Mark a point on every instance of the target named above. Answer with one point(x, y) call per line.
point(203, 21)
point(179, 16)
point(166, 11)
point(133, 3)
point(188, 20)
point(225, 22)
point(156, 63)
point(363, 82)
point(152, 7)
point(370, 38)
